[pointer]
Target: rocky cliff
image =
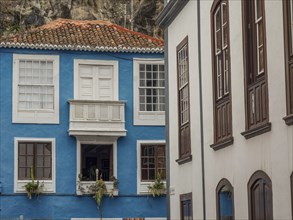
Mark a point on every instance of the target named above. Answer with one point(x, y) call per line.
point(138, 15)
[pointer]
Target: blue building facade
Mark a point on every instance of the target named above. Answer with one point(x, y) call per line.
point(93, 114)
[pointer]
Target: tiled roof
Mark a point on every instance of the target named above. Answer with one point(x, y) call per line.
point(64, 34)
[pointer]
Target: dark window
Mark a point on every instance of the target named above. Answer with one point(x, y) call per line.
point(36, 156)
point(151, 87)
point(96, 157)
point(186, 206)
point(256, 86)
point(221, 74)
point(260, 199)
point(288, 22)
point(225, 200)
point(153, 162)
point(183, 99)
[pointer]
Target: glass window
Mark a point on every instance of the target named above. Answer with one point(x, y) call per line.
point(95, 157)
point(35, 89)
point(254, 47)
point(36, 156)
point(153, 162)
point(288, 22)
point(225, 206)
point(151, 87)
point(221, 75)
point(183, 102)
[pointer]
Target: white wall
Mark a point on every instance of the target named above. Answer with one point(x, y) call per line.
point(181, 180)
point(271, 152)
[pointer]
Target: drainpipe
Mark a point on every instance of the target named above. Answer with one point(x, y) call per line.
point(201, 111)
point(167, 122)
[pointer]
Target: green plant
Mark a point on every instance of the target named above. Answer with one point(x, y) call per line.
point(33, 188)
point(158, 187)
point(99, 190)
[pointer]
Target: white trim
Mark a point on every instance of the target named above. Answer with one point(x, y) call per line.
point(113, 63)
point(78, 156)
point(82, 48)
point(144, 117)
point(49, 185)
point(35, 116)
point(142, 187)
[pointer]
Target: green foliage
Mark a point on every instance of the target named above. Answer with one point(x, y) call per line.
point(158, 187)
point(33, 188)
point(98, 189)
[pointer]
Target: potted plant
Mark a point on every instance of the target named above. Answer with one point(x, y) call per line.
point(33, 187)
point(158, 187)
point(114, 191)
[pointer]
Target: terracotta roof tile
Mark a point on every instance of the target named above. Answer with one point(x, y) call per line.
point(91, 35)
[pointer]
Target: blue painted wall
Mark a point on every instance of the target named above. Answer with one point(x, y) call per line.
point(64, 204)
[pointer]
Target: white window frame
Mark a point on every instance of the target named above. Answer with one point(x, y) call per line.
point(145, 117)
point(113, 63)
point(35, 116)
point(142, 186)
point(49, 185)
point(107, 141)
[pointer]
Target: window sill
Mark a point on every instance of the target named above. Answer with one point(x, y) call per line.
point(288, 119)
point(222, 144)
point(257, 131)
point(49, 186)
point(184, 159)
point(143, 187)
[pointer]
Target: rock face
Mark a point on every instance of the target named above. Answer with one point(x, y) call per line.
point(138, 15)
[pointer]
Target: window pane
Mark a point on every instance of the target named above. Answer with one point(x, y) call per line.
point(258, 5)
point(152, 161)
point(225, 203)
point(96, 157)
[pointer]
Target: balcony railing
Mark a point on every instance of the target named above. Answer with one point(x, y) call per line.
point(94, 117)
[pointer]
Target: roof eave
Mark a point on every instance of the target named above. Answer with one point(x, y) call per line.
point(81, 48)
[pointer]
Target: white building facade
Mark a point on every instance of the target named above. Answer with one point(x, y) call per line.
point(230, 117)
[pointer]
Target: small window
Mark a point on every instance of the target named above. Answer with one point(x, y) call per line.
point(256, 86)
point(225, 203)
point(151, 162)
point(186, 206)
point(260, 199)
point(96, 157)
point(221, 75)
point(38, 156)
point(288, 22)
point(36, 89)
point(183, 102)
point(149, 92)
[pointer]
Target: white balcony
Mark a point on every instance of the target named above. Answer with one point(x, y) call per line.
point(93, 118)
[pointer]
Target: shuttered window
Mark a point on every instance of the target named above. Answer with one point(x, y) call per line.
point(260, 197)
point(186, 206)
point(221, 74)
point(288, 22)
point(256, 86)
point(183, 99)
